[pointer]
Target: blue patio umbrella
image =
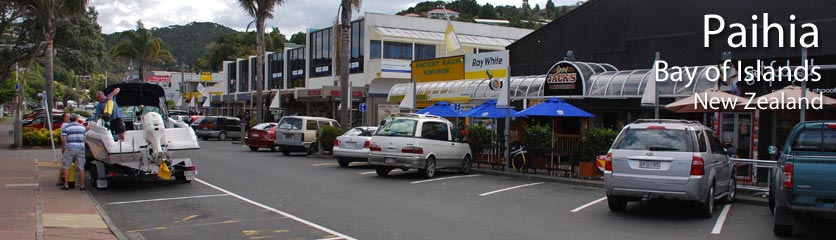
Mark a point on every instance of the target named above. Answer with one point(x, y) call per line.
point(489, 110)
point(554, 107)
point(441, 109)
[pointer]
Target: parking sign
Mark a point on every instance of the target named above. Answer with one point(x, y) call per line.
point(458, 106)
point(362, 107)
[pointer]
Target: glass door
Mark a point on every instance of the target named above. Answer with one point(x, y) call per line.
point(736, 129)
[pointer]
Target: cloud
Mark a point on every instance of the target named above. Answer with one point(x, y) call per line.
point(291, 17)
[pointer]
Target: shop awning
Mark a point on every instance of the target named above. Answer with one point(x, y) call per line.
point(439, 37)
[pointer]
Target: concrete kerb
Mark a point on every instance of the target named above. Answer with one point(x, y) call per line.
point(742, 197)
point(110, 225)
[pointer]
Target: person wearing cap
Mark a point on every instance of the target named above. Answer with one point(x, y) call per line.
point(115, 118)
point(72, 138)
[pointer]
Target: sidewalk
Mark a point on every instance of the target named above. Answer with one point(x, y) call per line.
point(32, 207)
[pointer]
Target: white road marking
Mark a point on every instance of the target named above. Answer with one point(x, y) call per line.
point(444, 178)
point(506, 189)
point(166, 199)
point(718, 227)
point(21, 185)
point(588, 204)
point(323, 164)
point(314, 225)
point(365, 173)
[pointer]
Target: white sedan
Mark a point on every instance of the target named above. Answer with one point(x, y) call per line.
point(353, 145)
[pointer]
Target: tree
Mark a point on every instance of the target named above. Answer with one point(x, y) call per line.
point(79, 43)
point(344, 52)
point(141, 46)
point(488, 12)
point(16, 34)
point(260, 11)
point(550, 10)
point(47, 13)
point(298, 38)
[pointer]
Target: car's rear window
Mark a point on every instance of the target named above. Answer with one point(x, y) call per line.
point(208, 120)
point(264, 126)
point(363, 132)
point(291, 123)
point(669, 140)
point(397, 127)
point(815, 140)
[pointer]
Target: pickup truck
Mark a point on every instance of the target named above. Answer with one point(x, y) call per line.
point(804, 184)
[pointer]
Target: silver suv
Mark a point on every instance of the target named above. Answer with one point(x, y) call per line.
point(423, 142)
point(668, 159)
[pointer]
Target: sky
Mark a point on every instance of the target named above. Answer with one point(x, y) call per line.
point(291, 17)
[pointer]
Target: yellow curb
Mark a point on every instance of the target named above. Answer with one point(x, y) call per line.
point(73, 220)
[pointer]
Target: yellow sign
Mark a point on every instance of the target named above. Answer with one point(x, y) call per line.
point(205, 76)
point(438, 69)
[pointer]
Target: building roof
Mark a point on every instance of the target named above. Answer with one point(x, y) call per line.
point(439, 36)
point(491, 21)
point(439, 10)
point(412, 15)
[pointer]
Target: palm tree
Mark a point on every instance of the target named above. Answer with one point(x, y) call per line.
point(344, 52)
point(141, 46)
point(47, 13)
point(260, 11)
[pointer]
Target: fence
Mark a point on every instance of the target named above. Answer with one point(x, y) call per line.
point(755, 175)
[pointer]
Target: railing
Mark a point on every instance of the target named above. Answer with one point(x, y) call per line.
point(753, 174)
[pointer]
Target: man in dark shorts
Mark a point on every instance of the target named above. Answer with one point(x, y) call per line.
point(116, 124)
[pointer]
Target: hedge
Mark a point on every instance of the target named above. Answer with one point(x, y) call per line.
point(40, 137)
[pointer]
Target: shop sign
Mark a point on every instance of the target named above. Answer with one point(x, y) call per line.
point(393, 68)
point(205, 76)
point(158, 79)
point(563, 79)
point(438, 69)
point(490, 65)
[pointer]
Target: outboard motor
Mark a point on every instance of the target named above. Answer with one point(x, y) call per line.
point(154, 129)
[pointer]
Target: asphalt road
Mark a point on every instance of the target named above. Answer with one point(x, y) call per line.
point(263, 195)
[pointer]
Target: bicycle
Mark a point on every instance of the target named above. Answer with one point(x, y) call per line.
point(518, 161)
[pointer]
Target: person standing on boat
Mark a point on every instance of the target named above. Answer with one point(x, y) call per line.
point(115, 119)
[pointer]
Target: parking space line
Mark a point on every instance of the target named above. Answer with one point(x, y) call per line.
point(257, 204)
point(166, 199)
point(366, 173)
point(718, 227)
point(323, 164)
point(588, 204)
point(444, 178)
point(510, 188)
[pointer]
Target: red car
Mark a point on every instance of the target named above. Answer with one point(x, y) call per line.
point(41, 111)
point(261, 136)
point(57, 119)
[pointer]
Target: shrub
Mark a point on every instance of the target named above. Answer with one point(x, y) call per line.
point(538, 136)
point(478, 135)
point(82, 113)
point(40, 137)
point(596, 142)
point(327, 136)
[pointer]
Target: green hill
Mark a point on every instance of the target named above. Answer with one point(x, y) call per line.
point(186, 42)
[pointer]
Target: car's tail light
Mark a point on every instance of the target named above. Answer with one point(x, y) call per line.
point(367, 144)
point(412, 149)
point(788, 175)
point(190, 168)
point(656, 128)
point(608, 162)
point(272, 134)
point(336, 142)
point(697, 166)
point(374, 148)
point(831, 125)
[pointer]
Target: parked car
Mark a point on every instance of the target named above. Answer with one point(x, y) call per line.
point(195, 122)
point(803, 182)
point(39, 112)
point(219, 127)
point(420, 141)
point(57, 119)
point(353, 145)
point(298, 133)
point(668, 159)
point(262, 135)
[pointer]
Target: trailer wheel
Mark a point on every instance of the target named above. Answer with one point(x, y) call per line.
point(94, 178)
point(181, 178)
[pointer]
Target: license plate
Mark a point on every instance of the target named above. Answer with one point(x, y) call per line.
point(255, 135)
point(649, 164)
point(190, 173)
point(388, 160)
point(350, 144)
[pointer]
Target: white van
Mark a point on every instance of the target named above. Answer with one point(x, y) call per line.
point(299, 133)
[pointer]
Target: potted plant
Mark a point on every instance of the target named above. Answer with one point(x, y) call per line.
point(537, 140)
point(596, 142)
point(477, 138)
point(327, 136)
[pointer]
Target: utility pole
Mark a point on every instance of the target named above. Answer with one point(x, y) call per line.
point(18, 128)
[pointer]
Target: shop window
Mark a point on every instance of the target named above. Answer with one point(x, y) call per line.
point(424, 51)
point(374, 49)
point(396, 50)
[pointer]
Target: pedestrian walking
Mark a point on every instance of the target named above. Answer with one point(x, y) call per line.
point(115, 118)
point(72, 140)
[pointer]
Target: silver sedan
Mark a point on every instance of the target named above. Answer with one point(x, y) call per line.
point(353, 145)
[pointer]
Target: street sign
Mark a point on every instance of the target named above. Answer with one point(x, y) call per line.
point(362, 107)
point(458, 106)
point(17, 87)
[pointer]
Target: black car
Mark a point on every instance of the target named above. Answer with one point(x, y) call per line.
point(219, 127)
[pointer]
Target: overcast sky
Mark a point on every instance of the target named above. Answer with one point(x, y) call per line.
point(293, 16)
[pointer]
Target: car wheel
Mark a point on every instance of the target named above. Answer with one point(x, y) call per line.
point(467, 163)
point(205, 138)
point(782, 230)
point(222, 136)
point(771, 201)
point(706, 209)
point(254, 149)
point(616, 204)
point(273, 149)
point(181, 178)
point(732, 191)
point(312, 149)
point(429, 171)
point(343, 162)
point(286, 153)
point(382, 171)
